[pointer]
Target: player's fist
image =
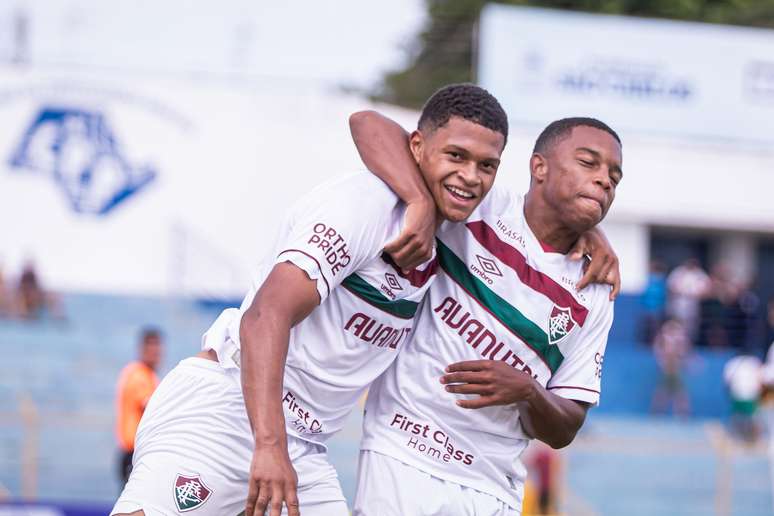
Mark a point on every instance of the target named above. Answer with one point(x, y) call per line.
point(414, 245)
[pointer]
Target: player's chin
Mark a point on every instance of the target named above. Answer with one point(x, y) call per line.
point(455, 214)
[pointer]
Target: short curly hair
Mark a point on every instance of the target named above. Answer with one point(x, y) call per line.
point(466, 101)
point(558, 130)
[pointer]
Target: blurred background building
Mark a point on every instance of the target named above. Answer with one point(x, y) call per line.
point(147, 149)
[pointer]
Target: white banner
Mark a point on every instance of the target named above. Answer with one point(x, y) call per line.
point(655, 77)
point(124, 183)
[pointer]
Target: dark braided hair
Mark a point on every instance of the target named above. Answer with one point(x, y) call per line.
point(466, 101)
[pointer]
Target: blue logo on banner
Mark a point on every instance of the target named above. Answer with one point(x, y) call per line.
point(78, 149)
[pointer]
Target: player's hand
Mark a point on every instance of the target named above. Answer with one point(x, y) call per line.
point(603, 267)
point(494, 381)
point(414, 245)
point(272, 482)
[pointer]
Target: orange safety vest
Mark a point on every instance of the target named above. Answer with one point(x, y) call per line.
point(135, 386)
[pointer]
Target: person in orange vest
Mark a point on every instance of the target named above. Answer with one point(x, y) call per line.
point(136, 383)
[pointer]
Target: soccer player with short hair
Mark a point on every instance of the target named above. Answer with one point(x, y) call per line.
point(506, 347)
point(327, 314)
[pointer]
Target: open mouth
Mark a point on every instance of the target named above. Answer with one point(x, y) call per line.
point(459, 193)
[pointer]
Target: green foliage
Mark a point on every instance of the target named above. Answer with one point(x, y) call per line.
point(445, 49)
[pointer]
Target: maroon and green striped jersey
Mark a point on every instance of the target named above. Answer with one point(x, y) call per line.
point(499, 295)
point(336, 234)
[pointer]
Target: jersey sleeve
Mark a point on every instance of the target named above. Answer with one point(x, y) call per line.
point(333, 231)
point(579, 377)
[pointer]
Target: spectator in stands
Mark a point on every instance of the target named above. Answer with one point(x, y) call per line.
point(653, 301)
point(6, 305)
point(746, 321)
point(672, 348)
point(136, 383)
point(769, 331)
point(716, 313)
point(688, 284)
point(31, 298)
point(743, 376)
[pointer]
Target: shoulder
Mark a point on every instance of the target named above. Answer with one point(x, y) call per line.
point(597, 298)
point(500, 200)
point(360, 189)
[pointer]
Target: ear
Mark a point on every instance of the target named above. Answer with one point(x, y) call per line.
point(417, 145)
point(538, 167)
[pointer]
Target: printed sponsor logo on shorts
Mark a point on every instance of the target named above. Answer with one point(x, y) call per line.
point(190, 492)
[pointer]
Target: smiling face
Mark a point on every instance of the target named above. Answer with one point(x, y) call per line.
point(459, 161)
point(578, 176)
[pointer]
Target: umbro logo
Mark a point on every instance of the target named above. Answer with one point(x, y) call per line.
point(489, 266)
point(392, 281)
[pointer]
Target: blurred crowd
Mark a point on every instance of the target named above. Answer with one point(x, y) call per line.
point(25, 298)
point(689, 308)
point(713, 309)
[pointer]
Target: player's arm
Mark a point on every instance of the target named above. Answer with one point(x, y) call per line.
point(285, 298)
point(544, 415)
point(383, 147)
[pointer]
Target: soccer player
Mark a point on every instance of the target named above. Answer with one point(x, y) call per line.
point(506, 348)
point(249, 416)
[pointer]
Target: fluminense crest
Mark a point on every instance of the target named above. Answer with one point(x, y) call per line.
point(190, 492)
point(560, 324)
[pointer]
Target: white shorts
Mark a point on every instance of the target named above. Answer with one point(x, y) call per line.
point(388, 487)
point(194, 447)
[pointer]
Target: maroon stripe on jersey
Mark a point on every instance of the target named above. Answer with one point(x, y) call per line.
point(311, 258)
point(416, 277)
point(534, 279)
point(571, 387)
point(506, 325)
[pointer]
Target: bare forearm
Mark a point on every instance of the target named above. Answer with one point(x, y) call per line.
point(551, 418)
point(264, 345)
point(383, 147)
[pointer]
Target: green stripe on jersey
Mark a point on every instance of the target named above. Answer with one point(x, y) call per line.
point(399, 308)
point(506, 313)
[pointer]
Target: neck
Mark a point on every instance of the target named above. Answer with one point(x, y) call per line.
point(438, 219)
point(546, 224)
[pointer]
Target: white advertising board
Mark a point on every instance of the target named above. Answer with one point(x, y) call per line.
point(656, 77)
point(124, 183)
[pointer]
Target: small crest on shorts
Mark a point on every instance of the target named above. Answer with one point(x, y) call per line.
point(560, 324)
point(190, 492)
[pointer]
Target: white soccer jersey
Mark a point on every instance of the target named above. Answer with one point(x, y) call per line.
point(499, 296)
point(336, 235)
